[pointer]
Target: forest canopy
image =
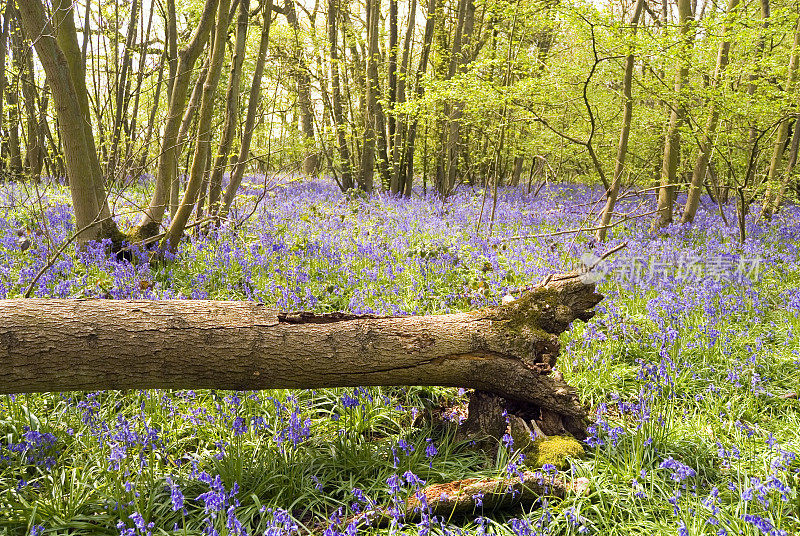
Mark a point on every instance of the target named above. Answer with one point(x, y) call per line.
point(666, 96)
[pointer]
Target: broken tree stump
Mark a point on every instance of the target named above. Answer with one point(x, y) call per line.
point(474, 496)
point(509, 350)
point(487, 494)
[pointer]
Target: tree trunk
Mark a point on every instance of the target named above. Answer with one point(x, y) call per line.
point(517, 170)
point(231, 109)
point(401, 128)
point(23, 61)
point(3, 40)
point(510, 350)
point(788, 174)
point(168, 157)
point(183, 133)
point(459, 58)
point(203, 141)
point(143, 164)
point(134, 123)
point(252, 108)
point(303, 81)
point(753, 136)
point(391, 77)
point(13, 143)
point(34, 157)
point(622, 148)
point(427, 39)
point(90, 217)
point(123, 86)
point(771, 201)
point(370, 98)
point(672, 141)
point(336, 98)
point(67, 42)
point(706, 141)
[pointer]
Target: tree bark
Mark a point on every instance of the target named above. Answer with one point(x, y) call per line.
point(67, 42)
point(123, 87)
point(23, 61)
point(517, 170)
point(391, 76)
point(252, 108)
point(142, 166)
point(366, 177)
point(303, 81)
point(62, 345)
point(3, 39)
point(231, 109)
point(460, 56)
point(183, 133)
point(419, 89)
point(706, 142)
point(168, 157)
point(203, 142)
point(336, 100)
point(131, 134)
point(171, 45)
point(10, 94)
point(624, 133)
point(78, 149)
point(771, 196)
point(753, 136)
point(401, 127)
point(672, 141)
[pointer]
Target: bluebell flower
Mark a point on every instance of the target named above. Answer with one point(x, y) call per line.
point(680, 472)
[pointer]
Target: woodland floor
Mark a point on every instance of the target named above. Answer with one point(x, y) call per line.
point(692, 368)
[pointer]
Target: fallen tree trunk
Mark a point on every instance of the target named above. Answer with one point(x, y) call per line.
point(64, 345)
point(474, 496)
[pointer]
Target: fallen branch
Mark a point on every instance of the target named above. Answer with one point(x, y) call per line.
point(625, 218)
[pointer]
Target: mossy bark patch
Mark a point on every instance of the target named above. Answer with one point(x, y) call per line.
point(555, 450)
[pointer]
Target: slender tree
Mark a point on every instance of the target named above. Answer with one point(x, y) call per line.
point(371, 98)
point(252, 106)
point(419, 89)
point(203, 141)
point(401, 128)
point(4, 20)
point(92, 216)
point(624, 134)
point(336, 97)
point(23, 61)
point(231, 108)
point(12, 134)
point(774, 187)
point(707, 137)
point(672, 140)
point(168, 157)
point(123, 88)
point(303, 82)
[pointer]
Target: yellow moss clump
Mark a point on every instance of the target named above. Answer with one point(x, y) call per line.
point(555, 450)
